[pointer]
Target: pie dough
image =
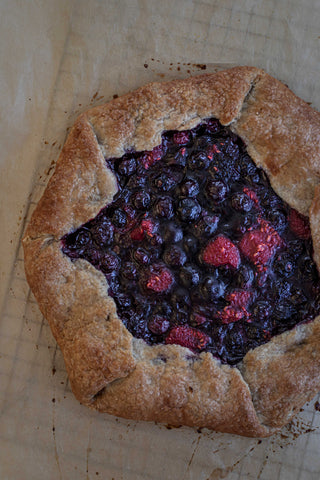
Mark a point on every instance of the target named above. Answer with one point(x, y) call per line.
point(108, 368)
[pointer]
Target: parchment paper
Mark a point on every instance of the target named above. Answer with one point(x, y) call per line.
point(57, 59)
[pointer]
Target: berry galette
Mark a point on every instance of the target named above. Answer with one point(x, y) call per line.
point(175, 250)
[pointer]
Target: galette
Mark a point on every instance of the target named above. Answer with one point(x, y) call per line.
point(175, 253)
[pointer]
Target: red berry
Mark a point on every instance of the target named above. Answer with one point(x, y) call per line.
point(157, 153)
point(240, 298)
point(188, 337)
point(299, 224)
point(181, 138)
point(159, 280)
point(149, 227)
point(260, 244)
point(231, 314)
point(252, 194)
point(137, 234)
point(150, 158)
point(146, 227)
point(221, 251)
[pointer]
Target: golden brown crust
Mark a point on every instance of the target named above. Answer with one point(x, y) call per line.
point(109, 369)
point(284, 373)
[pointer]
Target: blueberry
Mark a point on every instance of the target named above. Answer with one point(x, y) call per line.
point(261, 310)
point(172, 233)
point(188, 209)
point(114, 285)
point(189, 276)
point(230, 147)
point(180, 299)
point(278, 219)
point(93, 256)
point(235, 344)
point(296, 247)
point(158, 324)
point(206, 226)
point(164, 182)
point(163, 207)
point(307, 268)
point(256, 335)
point(216, 190)
point(212, 288)
point(174, 256)
point(268, 199)
point(284, 265)
point(156, 240)
point(119, 218)
point(224, 169)
point(297, 296)
point(282, 288)
point(196, 294)
point(241, 202)
point(110, 262)
point(77, 243)
point(247, 166)
point(123, 300)
point(136, 181)
point(213, 126)
point(243, 223)
point(83, 238)
point(136, 323)
point(141, 200)
point(129, 271)
point(189, 188)
point(283, 310)
point(190, 244)
point(263, 177)
point(203, 143)
point(198, 161)
point(127, 166)
point(103, 233)
point(179, 317)
point(178, 159)
point(141, 256)
point(163, 309)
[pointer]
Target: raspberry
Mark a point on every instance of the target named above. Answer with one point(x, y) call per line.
point(160, 279)
point(299, 224)
point(188, 337)
point(150, 158)
point(137, 234)
point(239, 298)
point(252, 195)
point(221, 251)
point(231, 314)
point(147, 227)
point(260, 245)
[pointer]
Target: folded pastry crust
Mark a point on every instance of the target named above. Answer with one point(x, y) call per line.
point(108, 368)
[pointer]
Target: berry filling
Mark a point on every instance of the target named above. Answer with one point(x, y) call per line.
point(197, 248)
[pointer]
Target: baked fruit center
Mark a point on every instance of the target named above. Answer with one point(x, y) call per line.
point(197, 248)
